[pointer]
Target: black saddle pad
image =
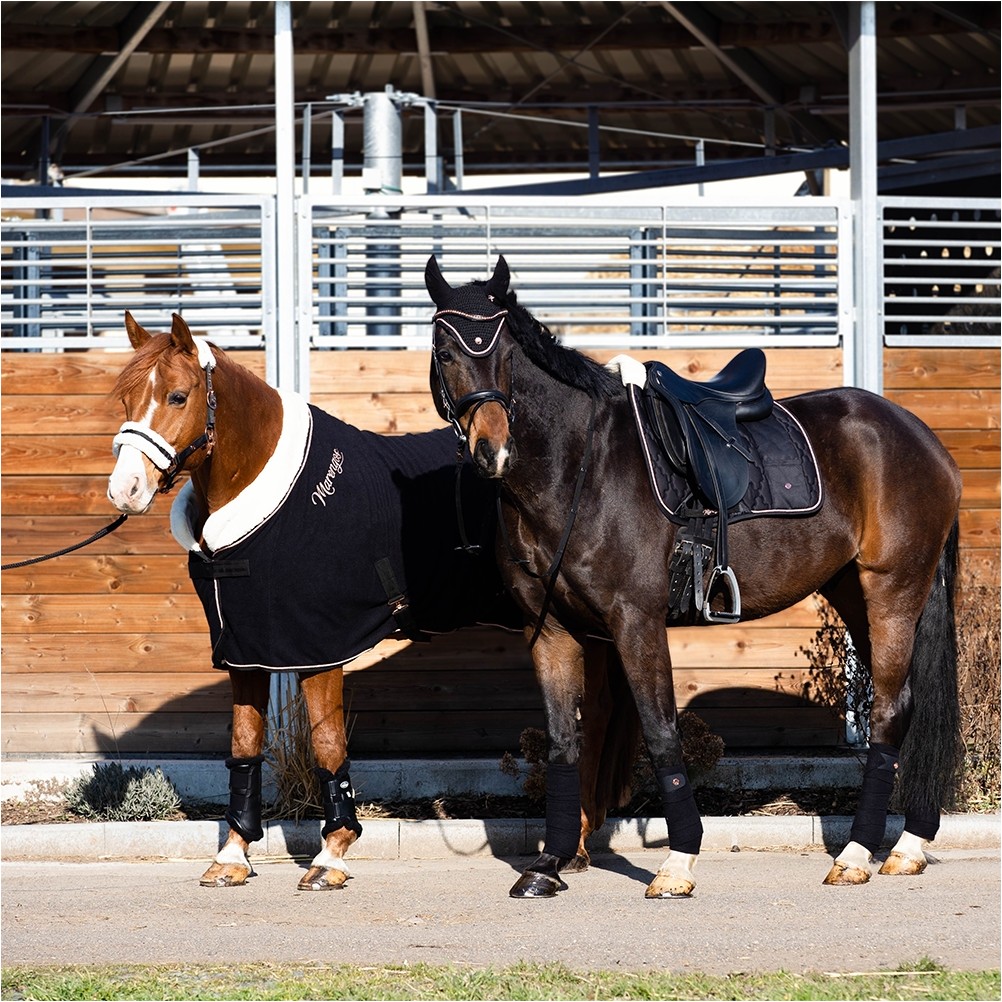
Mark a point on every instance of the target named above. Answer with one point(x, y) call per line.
point(783, 472)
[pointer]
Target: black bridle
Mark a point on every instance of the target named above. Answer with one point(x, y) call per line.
point(471, 345)
point(481, 346)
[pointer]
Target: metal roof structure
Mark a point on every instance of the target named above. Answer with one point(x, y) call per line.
point(517, 85)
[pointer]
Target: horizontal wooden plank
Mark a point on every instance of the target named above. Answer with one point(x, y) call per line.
point(972, 448)
point(57, 495)
point(83, 614)
point(979, 527)
point(107, 653)
point(980, 489)
point(31, 535)
point(113, 693)
point(47, 614)
point(789, 370)
point(126, 733)
point(941, 368)
point(56, 454)
point(63, 414)
point(86, 574)
point(383, 687)
point(84, 372)
point(951, 408)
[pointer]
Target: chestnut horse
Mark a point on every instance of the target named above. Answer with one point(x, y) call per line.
point(303, 563)
point(585, 549)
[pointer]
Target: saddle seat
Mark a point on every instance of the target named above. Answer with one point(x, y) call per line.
point(741, 383)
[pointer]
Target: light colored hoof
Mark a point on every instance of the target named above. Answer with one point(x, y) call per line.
point(323, 878)
point(841, 875)
point(225, 875)
point(668, 885)
point(899, 864)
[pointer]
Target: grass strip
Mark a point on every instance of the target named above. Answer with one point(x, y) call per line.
point(923, 980)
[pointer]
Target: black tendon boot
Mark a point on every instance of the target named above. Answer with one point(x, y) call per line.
point(244, 813)
point(339, 800)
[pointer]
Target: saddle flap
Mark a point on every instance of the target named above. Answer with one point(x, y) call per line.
point(701, 442)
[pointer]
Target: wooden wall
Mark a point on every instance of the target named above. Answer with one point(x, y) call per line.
point(107, 650)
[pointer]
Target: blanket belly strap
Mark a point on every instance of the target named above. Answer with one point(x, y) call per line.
point(397, 600)
point(213, 570)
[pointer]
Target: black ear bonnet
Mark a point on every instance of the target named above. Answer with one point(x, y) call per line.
point(473, 314)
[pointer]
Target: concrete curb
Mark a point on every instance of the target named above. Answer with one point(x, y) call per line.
point(392, 839)
point(417, 779)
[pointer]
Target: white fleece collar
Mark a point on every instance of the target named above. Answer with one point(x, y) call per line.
point(632, 371)
point(259, 500)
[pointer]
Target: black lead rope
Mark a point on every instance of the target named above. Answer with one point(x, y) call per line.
point(553, 570)
point(69, 549)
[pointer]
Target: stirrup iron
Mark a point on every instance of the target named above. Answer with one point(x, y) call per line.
point(724, 575)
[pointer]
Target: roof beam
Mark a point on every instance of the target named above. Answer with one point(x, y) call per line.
point(706, 30)
point(134, 29)
point(980, 18)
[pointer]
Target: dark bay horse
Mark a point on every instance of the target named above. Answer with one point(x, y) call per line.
point(310, 541)
point(584, 547)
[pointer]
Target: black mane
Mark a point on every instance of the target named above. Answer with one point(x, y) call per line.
point(565, 365)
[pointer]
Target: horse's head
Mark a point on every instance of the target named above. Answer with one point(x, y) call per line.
point(166, 391)
point(471, 371)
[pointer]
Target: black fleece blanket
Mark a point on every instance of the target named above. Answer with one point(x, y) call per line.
point(364, 518)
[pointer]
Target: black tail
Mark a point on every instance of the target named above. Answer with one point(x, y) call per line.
point(932, 750)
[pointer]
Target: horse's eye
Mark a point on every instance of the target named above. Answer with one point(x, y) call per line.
point(176, 398)
point(444, 355)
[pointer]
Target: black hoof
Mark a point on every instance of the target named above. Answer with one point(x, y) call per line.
point(536, 885)
point(577, 865)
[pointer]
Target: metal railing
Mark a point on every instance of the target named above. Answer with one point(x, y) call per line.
point(71, 267)
point(599, 274)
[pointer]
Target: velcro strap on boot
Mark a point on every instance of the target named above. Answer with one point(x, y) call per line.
point(338, 800)
point(685, 829)
point(244, 813)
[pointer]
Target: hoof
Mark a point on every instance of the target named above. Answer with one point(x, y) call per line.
point(225, 875)
point(899, 864)
point(536, 885)
point(841, 875)
point(323, 878)
point(578, 864)
point(668, 885)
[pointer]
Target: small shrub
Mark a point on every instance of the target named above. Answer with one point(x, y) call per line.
point(978, 653)
point(112, 793)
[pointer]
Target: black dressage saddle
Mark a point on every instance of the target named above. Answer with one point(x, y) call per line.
point(696, 425)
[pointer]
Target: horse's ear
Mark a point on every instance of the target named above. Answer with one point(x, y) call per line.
point(497, 284)
point(138, 336)
point(434, 281)
point(180, 336)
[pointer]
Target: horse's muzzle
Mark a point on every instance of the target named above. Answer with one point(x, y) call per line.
point(493, 462)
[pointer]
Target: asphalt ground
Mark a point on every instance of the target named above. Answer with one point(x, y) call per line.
point(752, 910)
